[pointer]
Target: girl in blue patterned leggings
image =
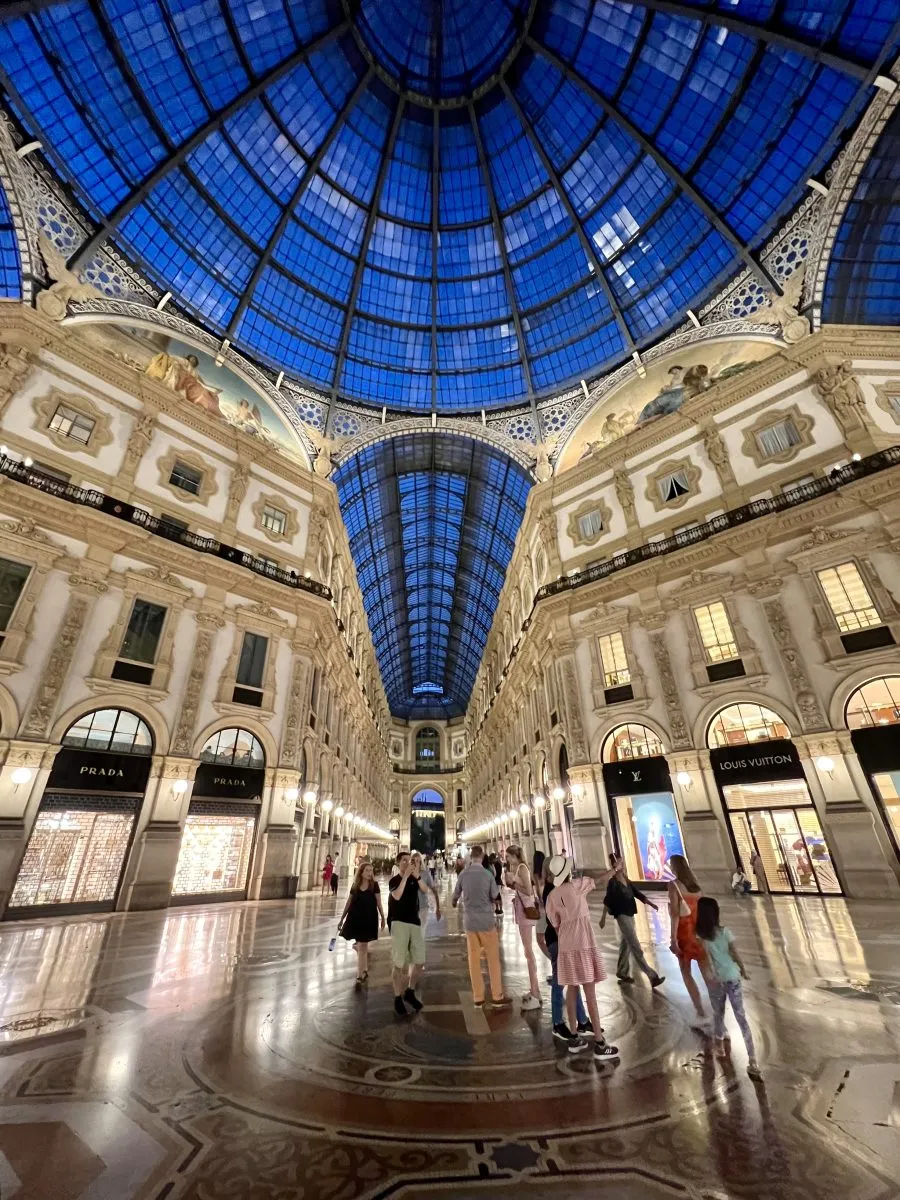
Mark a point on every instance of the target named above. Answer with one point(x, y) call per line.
point(723, 971)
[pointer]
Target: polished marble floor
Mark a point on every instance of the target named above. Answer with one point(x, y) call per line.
point(221, 1053)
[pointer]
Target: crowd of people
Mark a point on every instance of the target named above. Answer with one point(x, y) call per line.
point(550, 909)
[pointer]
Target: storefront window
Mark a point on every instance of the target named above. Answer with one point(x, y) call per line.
point(888, 785)
point(742, 723)
point(875, 703)
point(795, 856)
point(631, 741)
point(215, 854)
point(649, 834)
point(73, 857)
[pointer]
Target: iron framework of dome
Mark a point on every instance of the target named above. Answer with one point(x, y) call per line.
point(439, 204)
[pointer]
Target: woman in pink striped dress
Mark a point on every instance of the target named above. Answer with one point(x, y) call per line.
point(579, 962)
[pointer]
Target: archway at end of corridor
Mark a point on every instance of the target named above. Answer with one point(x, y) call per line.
point(427, 832)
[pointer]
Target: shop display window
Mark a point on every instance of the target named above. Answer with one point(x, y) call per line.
point(649, 834)
point(887, 784)
point(73, 857)
point(740, 724)
point(631, 741)
point(215, 854)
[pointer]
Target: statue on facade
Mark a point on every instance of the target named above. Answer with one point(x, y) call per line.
point(624, 492)
point(717, 453)
point(325, 447)
point(839, 388)
point(543, 469)
point(66, 287)
point(782, 310)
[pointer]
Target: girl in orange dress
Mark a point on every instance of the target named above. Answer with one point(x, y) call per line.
point(684, 895)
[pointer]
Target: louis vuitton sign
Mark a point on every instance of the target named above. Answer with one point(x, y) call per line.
point(777, 759)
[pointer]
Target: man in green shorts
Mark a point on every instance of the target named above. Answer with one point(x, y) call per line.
point(407, 940)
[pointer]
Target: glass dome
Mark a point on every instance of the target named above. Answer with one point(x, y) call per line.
point(440, 205)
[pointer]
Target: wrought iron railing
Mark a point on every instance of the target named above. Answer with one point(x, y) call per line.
point(159, 526)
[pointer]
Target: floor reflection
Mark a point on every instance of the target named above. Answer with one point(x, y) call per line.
point(222, 1052)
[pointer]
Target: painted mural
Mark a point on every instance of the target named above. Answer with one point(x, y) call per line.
point(676, 378)
point(192, 375)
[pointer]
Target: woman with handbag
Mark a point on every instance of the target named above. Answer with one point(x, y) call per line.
point(684, 896)
point(360, 919)
point(526, 911)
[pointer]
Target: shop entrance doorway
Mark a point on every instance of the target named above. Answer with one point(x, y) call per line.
point(789, 840)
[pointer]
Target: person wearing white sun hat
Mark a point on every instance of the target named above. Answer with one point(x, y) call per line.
point(578, 959)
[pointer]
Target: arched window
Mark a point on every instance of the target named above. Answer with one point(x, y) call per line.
point(427, 798)
point(564, 765)
point(875, 703)
point(110, 729)
point(234, 748)
point(631, 741)
point(742, 723)
point(428, 747)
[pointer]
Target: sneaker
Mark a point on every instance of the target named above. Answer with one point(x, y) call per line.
point(399, 1007)
point(478, 1003)
point(413, 1000)
point(576, 1045)
point(657, 980)
point(585, 1028)
point(503, 1002)
point(563, 1033)
point(624, 979)
point(530, 1003)
point(603, 1050)
point(753, 1069)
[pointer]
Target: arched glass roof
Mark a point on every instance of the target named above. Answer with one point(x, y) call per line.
point(432, 520)
point(440, 205)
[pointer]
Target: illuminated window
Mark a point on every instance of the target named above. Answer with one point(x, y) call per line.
point(631, 741)
point(12, 580)
point(74, 856)
point(274, 519)
point(189, 479)
point(72, 424)
point(215, 854)
point(716, 633)
point(848, 598)
point(615, 662)
point(145, 626)
point(777, 438)
point(742, 723)
point(875, 703)
point(672, 486)
point(428, 746)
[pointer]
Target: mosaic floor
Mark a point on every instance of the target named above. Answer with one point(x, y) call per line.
point(221, 1053)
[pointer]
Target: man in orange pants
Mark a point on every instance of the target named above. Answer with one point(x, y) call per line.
point(478, 889)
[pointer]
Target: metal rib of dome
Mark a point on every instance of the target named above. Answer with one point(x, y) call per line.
point(443, 204)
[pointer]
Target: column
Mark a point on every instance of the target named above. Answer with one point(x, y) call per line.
point(591, 842)
point(150, 870)
point(23, 777)
point(273, 858)
point(706, 841)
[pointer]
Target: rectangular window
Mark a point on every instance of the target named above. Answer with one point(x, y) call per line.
point(614, 660)
point(12, 580)
point(716, 633)
point(252, 663)
point(189, 479)
point(274, 519)
point(672, 486)
point(72, 424)
point(848, 598)
point(778, 437)
point(590, 524)
point(145, 626)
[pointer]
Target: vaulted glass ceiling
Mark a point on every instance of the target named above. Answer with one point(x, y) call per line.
point(440, 204)
point(432, 520)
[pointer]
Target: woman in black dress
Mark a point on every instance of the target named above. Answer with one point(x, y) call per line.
point(359, 921)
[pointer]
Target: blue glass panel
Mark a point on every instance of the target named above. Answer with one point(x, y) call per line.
point(296, 308)
point(515, 168)
point(10, 269)
point(401, 248)
point(462, 349)
point(468, 252)
point(655, 78)
point(395, 297)
point(580, 358)
point(354, 156)
point(204, 234)
point(868, 25)
point(331, 215)
point(285, 349)
point(140, 27)
point(659, 247)
point(383, 385)
point(607, 158)
point(462, 196)
point(248, 205)
point(584, 308)
point(390, 345)
point(472, 300)
point(531, 229)
point(310, 96)
point(266, 33)
point(272, 158)
point(629, 208)
point(551, 273)
point(206, 44)
point(664, 305)
point(562, 114)
point(306, 255)
point(407, 185)
point(473, 390)
point(862, 286)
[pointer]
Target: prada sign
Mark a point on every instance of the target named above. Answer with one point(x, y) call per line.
point(637, 777)
point(234, 783)
point(764, 761)
point(98, 771)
